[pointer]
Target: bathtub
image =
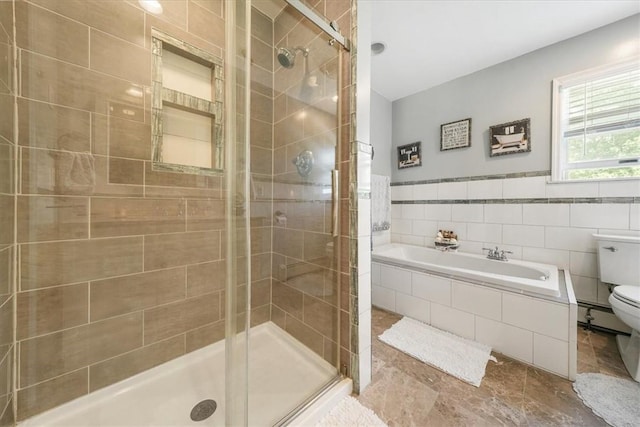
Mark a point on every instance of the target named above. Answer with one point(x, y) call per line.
point(513, 274)
point(524, 310)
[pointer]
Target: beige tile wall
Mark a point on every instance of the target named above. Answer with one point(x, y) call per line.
point(120, 265)
point(7, 217)
point(261, 146)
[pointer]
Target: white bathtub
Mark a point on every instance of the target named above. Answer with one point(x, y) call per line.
point(524, 310)
point(514, 274)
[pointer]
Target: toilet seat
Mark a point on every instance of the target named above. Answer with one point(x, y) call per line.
point(627, 294)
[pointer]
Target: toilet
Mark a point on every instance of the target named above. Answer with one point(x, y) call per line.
point(619, 265)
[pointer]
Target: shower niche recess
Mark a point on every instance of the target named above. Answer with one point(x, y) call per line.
point(186, 107)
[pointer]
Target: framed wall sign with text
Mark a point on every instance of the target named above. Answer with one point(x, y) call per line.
point(455, 135)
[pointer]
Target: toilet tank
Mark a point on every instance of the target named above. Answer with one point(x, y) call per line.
point(619, 259)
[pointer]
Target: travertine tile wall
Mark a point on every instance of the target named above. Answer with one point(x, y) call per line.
point(120, 265)
point(7, 209)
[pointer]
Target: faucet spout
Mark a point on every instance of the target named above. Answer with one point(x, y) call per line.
point(497, 254)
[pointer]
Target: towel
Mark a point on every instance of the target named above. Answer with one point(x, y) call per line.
point(76, 172)
point(380, 202)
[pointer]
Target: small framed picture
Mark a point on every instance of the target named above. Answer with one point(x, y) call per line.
point(409, 155)
point(455, 135)
point(509, 138)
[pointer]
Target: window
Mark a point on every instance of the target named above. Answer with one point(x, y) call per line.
point(186, 107)
point(596, 123)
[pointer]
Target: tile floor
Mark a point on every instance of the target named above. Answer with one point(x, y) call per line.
point(407, 392)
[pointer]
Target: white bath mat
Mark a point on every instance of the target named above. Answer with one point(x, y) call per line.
point(460, 357)
point(350, 413)
point(616, 400)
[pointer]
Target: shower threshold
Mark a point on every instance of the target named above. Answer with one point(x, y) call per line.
point(281, 371)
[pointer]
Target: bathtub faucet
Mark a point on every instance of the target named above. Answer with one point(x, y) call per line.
point(497, 254)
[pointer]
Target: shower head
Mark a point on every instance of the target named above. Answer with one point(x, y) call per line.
point(287, 56)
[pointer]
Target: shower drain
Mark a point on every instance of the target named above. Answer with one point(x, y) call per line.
point(203, 410)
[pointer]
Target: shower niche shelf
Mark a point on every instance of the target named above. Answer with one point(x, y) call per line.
point(186, 107)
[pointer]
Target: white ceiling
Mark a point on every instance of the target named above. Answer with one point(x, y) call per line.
point(430, 42)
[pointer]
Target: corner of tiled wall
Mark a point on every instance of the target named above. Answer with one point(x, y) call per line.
point(8, 153)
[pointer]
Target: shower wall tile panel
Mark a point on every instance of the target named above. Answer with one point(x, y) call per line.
point(200, 337)
point(182, 316)
point(63, 128)
point(133, 62)
point(42, 218)
point(52, 34)
point(120, 137)
point(51, 309)
point(127, 294)
point(121, 367)
point(59, 263)
point(121, 265)
point(111, 217)
point(120, 19)
point(51, 355)
point(205, 278)
point(49, 80)
point(50, 394)
point(8, 153)
point(205, 24)
point(170, 250)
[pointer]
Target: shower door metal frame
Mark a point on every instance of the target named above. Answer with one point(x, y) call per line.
point(320, 22)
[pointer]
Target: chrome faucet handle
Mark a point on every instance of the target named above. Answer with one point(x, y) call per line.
point(492, 253)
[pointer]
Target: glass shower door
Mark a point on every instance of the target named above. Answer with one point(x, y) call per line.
point(294, 139)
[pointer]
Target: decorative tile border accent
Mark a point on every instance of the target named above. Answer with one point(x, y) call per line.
point(594, 200)
point(475, 178)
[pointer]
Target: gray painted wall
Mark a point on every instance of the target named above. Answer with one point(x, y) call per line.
point(381, 114)
point(509, 91)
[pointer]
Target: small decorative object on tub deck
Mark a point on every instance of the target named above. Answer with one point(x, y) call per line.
point(446, 240)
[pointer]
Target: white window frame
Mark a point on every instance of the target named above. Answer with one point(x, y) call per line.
point(558, 151)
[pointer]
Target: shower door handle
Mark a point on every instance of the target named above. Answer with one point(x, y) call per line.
point(335, 197)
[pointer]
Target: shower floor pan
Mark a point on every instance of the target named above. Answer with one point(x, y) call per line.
point(281, 371)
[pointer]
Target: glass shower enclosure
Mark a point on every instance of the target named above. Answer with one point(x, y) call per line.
point(170, 241)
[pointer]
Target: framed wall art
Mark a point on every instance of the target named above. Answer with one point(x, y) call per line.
point(455, 135)
point(409, 155)
point(509, 138)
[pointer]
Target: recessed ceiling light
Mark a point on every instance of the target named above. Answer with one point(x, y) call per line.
point(151, 6)
point(377, 48)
